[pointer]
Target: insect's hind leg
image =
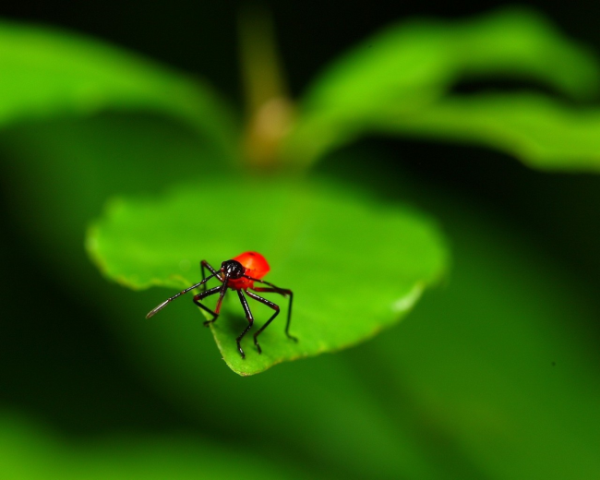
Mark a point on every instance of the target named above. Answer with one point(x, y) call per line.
point(286, 293)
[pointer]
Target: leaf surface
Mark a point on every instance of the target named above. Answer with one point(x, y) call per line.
point(355, 265)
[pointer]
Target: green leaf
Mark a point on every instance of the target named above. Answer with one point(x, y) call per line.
point(538, 130)
point(125, 456)
point(411, 66)
point(46, 73)
point(355, 265)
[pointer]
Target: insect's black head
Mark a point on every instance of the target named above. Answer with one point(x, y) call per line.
point(232, 269)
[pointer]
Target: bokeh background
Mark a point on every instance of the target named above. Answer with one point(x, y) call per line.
point(494, 375)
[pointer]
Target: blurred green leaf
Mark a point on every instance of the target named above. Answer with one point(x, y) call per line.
point(539, 131)
point(324, 242)
point(125, 457)
point(47, 73)
point(409, 68)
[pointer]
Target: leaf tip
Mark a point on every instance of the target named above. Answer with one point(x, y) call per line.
point(405, 303)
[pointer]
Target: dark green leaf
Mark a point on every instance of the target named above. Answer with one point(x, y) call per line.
point(355, 265)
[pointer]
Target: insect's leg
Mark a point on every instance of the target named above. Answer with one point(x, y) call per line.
point(202, 295)
point(249, 317)
point(286, 293)
point(205, 265)
point(270, 304)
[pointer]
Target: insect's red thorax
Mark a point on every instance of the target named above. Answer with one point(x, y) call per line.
point(255, 265)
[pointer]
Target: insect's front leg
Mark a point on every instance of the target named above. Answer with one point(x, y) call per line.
point(205, 265)
point(205, 294)
point(249, 317)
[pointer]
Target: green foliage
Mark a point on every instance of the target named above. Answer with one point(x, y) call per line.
point(407, 71)
point(128, 457)
point(320, 243)
point(48, 73)
point(400, 82)
point(494, 375)
point(543, 133)
point(467, 382)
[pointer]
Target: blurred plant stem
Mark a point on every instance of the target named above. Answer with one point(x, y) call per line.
point(269, 110)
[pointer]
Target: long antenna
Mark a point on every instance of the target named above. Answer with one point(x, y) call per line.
point(169, 300)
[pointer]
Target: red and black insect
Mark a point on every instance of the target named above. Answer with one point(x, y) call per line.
point(239, 274)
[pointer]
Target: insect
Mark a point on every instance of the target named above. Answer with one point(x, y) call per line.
point(239, 274)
